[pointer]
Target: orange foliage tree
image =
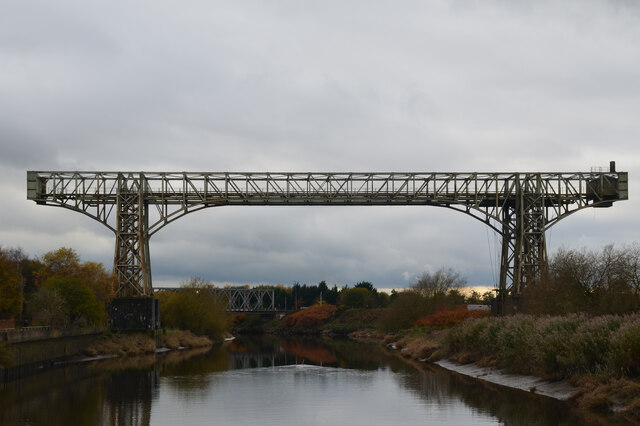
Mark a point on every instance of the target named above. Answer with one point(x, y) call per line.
point(447, 317)
point(311, 318)
point(10, 294)
point(65, 263)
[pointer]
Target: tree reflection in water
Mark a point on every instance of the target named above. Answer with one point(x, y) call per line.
point(124, 391)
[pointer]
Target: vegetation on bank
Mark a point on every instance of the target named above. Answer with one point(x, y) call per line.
point(124, 344)
point(600, 355)
point(58, 290)
point(588, 281)
point(551, 347)
point(309, 320)
point(194, 308)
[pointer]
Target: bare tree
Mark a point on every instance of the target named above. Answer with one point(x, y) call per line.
point(440, 282)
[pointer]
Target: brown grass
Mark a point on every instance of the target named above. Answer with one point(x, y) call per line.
point(421, 346)
point(448, 317)
point(138, 344)
point(174, 339)
point(122, 344)
point(609, 394)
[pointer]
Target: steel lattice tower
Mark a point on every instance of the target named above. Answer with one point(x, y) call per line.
point(520, 207)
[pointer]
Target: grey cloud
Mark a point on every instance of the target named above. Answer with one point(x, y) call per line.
point(417, 86)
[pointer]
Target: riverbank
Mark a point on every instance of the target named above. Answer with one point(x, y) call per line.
point(591, 387)
point(139, 344)
point(26, 357)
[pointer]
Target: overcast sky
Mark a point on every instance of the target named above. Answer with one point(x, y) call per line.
point(497, 85)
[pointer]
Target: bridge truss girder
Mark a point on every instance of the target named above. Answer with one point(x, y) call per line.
point(239, 300)
point(520, 207)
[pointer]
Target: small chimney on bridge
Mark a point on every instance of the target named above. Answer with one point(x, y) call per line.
point(612, 166)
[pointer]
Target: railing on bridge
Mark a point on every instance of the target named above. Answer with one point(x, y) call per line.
point(238, 300)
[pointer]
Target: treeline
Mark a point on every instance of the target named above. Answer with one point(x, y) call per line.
point(363, 306)
point(57, 290)
point(361, 295)
point(588, 281)
point(429, 293)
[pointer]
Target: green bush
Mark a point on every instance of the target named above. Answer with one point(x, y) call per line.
point(358, 297)
point(194, 308)
point(83, 306)
point(407, 307)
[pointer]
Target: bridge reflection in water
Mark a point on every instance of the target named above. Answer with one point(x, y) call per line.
point(185, 387)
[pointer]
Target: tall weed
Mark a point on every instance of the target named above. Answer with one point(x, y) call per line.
point(552, 347)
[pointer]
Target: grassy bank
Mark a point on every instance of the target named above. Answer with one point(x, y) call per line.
point(600, 356)
point(551, 347)
point(139, 344)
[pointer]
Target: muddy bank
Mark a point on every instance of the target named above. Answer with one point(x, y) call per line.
point(560, 390)
point(619, 397)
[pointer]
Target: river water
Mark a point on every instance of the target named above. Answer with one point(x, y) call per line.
point(269, 381)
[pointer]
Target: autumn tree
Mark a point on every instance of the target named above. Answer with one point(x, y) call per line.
point(48, 307)
point(10, 292)
point(62, 262)
point(75, 289)
point(83, 306)
point(102, 283)
point(65, 262)
point(29, 268)
point(194, 307)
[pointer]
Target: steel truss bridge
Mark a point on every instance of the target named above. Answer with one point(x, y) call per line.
point(519, 206)
point(238, 300)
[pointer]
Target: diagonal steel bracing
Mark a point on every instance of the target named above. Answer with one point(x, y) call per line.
point(238, 299)
point(520, 207)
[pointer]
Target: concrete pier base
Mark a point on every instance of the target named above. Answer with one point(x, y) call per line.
point(134, 313)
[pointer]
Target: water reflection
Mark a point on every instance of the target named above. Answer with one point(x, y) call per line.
point(269, 380)
point(128, 397)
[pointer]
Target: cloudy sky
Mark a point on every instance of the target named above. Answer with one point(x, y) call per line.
point(496, 85)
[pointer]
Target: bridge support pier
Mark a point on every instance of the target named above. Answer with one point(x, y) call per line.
point(132, 263)
point(134, 313)
point(524, 252)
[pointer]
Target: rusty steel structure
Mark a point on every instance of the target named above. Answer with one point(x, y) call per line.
point(238, 300)
point(519, 206)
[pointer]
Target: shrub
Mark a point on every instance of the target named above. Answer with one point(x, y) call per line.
point(310, 319)
point(552, 347)
point(404, 311)
point(447, 317)
point(625, 348)
point(83, 306)
point(194, 308)
point(358, 297)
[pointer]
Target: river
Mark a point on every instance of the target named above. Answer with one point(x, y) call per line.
point(269, 381)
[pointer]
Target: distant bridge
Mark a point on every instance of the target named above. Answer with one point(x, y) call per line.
point(520, 207)
point(238, 300)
